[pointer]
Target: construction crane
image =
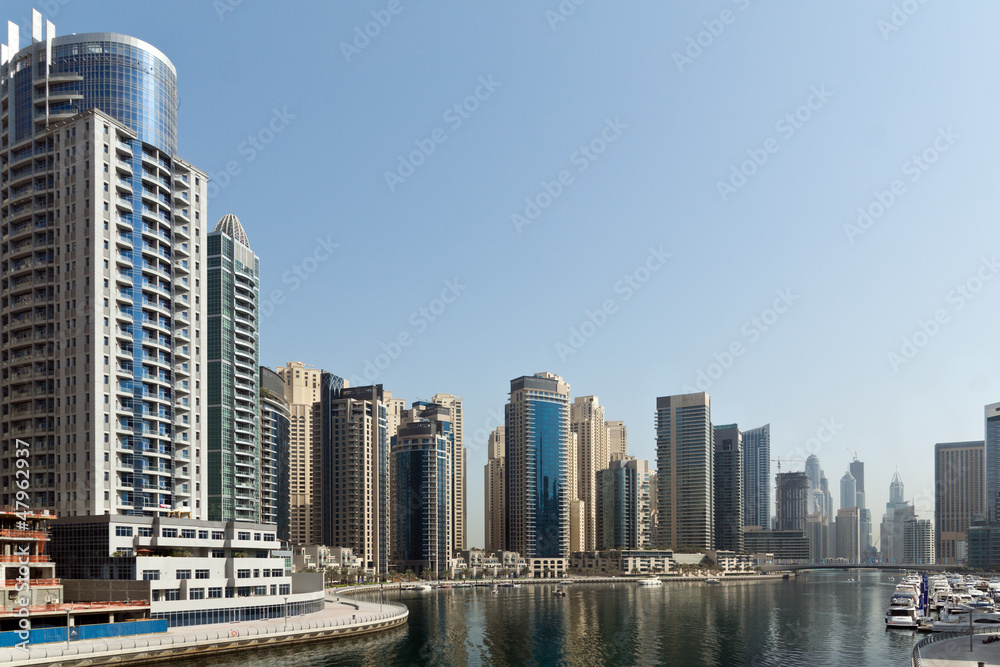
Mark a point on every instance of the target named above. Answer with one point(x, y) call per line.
point(777, 500)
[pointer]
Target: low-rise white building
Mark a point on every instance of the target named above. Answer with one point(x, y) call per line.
point(197, 571)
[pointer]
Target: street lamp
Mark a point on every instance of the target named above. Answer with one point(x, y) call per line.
point(286, 613)
point(67, 626)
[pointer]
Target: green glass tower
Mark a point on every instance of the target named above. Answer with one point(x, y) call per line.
point(232, 277)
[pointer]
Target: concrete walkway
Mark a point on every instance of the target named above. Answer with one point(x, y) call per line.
point(339, 618)
point(955, 652)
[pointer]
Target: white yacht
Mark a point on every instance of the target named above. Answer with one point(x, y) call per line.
point(902, 612)
point(651, 581)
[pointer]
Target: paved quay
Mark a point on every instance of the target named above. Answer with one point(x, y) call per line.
point(954, 652)
point(340, 618)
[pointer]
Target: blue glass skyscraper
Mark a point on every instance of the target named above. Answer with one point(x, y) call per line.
point(537, 433)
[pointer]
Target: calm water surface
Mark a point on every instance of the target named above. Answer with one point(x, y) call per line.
point(821, 618)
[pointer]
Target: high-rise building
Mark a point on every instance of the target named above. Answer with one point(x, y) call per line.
point(792, 507)
point(684, 457)
point(824, 485)
point(848, 533)
point(617, 439)
point(494, 491)
point(728, 487)
point(302, 392)
point(537, 435)
point(458, 491)
point(897, 511)
point(818, 532)
point(959, 494)
point(992, 452)
point(102, 228)
point(577, 508)
point(918, 542)
point(355, 470)
point(857, 469)
point(593, 454)
point(422, 490)
point(275, 426)
point(653, 511)
point(848, 491)
point(233, 470)
point(623, 505)
point(757, 477)
point(815, 493)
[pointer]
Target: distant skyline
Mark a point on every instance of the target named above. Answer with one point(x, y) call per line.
point(792, 208)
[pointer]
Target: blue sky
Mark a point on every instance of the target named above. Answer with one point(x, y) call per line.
point(623, 133)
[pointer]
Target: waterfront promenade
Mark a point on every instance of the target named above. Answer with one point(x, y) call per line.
point(340, 618)
point(953, 651)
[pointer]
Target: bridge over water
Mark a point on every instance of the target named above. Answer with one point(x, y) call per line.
point(786, 567)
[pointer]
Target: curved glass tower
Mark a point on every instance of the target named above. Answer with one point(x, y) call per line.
point(124, 77)
point(101, 308)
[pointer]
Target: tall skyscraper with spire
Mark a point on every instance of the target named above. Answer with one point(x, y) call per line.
point(232, 277)
point(102, 229)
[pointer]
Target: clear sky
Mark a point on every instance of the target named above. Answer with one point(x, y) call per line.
point(692, 168)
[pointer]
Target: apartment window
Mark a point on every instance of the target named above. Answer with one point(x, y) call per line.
point(150, 575)
point(215, 592)
point(123, 531)
point(145, 531)
point(243, 535)
point(196, 594)
point(183, 574)
point(169, 532)
point(202, 534)
point(172, 594)
point(242, 574)
point(201, 574)
point(284, 589)
point(218, 553)
point(188, 533)
point(218, 535)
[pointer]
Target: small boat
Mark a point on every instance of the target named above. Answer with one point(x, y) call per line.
point(712, 580)
point(651, 581)
point(560, 592)
point(565, 582)
point(423, 587)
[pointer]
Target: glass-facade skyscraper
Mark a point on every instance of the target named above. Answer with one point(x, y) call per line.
point(234, 456)
point(757, 477)
point(538, 439)
point(421, 470)
point(684, 472)
point(102, 227)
